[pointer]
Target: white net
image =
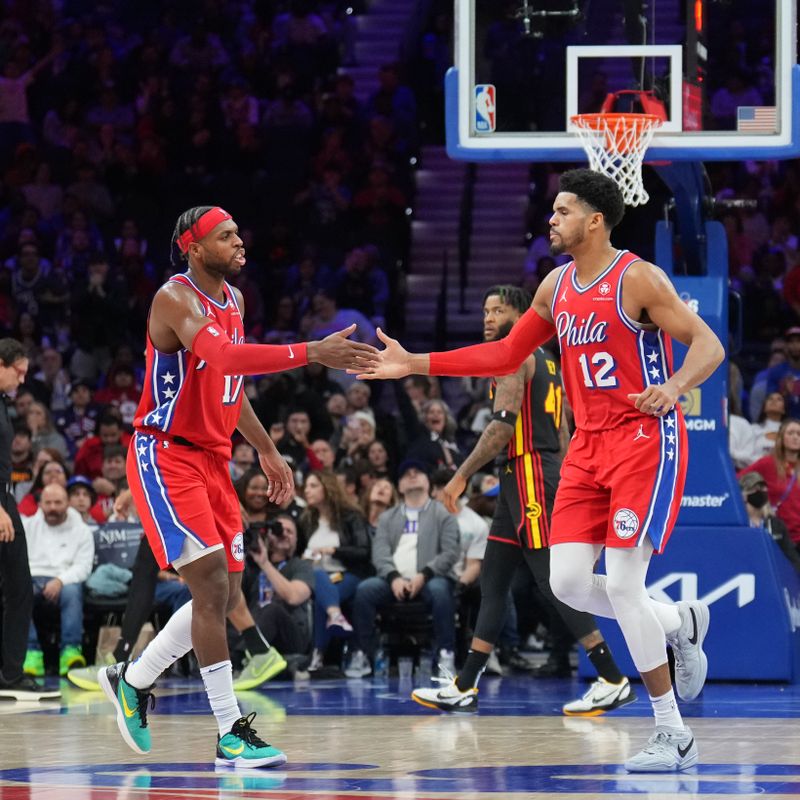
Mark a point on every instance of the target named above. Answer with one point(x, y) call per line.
point(616, 144)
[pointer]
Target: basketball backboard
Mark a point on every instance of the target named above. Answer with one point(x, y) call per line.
point(725, 70)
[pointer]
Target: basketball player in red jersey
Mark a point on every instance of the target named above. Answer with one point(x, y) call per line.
point(622, 480)
point(529, 425)
point(196, 360)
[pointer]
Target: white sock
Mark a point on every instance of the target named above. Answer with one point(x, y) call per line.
point(218, 680)
point(173, 641)
point(666, 710)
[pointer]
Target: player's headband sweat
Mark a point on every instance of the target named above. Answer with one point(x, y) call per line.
point(202, 227)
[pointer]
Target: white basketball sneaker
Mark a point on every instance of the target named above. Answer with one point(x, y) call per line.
point(601, 698)
point(668, 750)
point(691, 664)
point(449, 698)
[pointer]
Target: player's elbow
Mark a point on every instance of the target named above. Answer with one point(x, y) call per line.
point(718, 353)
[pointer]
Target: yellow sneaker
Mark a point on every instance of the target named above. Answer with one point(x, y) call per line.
point(34, 663)
point(71, 657)
point(86, 677)
point(259, 669)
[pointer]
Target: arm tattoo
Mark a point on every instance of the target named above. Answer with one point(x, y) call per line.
point(496, 435)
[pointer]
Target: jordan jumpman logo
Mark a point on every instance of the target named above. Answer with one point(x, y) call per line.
point(640, 434)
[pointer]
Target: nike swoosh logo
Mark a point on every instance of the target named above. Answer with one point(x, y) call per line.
point(126, 710)
point(682, 751)
point(693, 637)
point(291, 352)
point(240, 748)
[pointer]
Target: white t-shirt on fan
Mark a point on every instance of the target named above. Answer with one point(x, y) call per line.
point(405, 556)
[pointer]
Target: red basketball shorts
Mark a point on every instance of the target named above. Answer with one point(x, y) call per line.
point(184, 493)
point(620, 485)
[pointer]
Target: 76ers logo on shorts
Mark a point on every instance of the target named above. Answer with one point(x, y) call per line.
point(484, 108)
point(237, 546)
point(626, 523)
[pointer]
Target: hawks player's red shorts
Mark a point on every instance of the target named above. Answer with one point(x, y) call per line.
point(620, 485)
point(184, 493)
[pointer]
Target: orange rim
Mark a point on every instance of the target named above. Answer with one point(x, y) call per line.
point(616, 127)
point(598, 121)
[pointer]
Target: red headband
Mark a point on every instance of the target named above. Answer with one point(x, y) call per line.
point(202, 227)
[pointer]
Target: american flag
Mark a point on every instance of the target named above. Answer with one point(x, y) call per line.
point(757, 119)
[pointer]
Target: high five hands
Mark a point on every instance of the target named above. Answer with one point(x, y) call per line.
point(337, 351)
point(394, 361)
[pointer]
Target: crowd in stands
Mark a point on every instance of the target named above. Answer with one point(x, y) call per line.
point(116, 117)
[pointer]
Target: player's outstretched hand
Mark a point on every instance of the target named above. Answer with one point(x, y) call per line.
point(391, 362)
point(280, 476)
point(338, 352)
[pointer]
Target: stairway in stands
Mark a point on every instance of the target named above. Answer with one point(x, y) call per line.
point(380, 32)
point(497, 244)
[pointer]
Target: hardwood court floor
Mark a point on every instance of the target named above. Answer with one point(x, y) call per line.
point(361, 740)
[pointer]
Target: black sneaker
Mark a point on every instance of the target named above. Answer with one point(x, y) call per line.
point(26, 687)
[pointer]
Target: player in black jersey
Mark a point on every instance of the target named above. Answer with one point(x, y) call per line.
point(528, 423)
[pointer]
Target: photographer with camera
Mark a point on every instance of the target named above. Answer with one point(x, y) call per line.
point(278, 585)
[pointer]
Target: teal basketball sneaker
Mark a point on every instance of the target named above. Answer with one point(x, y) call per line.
point(242, 748)
point(131, 705)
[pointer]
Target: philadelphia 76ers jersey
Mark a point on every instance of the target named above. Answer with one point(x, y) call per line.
point(183, 396)
point(605, 355)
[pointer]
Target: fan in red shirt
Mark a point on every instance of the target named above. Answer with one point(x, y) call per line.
point(89, 458)
point(121, 391)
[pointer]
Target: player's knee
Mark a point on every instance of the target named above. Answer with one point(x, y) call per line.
point(570, 588)
point(211, 594)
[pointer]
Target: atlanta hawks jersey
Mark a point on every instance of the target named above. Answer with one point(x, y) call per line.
point(605, 355)
point(539, 416)
point(183, 396)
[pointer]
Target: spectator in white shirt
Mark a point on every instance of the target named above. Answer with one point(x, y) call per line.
point(61, 556)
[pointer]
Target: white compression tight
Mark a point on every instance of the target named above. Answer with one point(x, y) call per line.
point(619, 595)
point(173, 641)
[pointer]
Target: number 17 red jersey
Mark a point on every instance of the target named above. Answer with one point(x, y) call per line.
point(183, 396)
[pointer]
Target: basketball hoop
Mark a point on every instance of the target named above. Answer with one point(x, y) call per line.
point(616, 144)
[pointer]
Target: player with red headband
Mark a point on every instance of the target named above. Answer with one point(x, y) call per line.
point(193, 400)
point(622, 480)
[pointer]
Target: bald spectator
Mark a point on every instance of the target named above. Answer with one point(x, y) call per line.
point(60, 554)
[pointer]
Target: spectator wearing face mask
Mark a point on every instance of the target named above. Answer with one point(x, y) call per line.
point(760, 514)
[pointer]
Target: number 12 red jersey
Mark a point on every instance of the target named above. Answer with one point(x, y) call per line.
point(605, 355)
